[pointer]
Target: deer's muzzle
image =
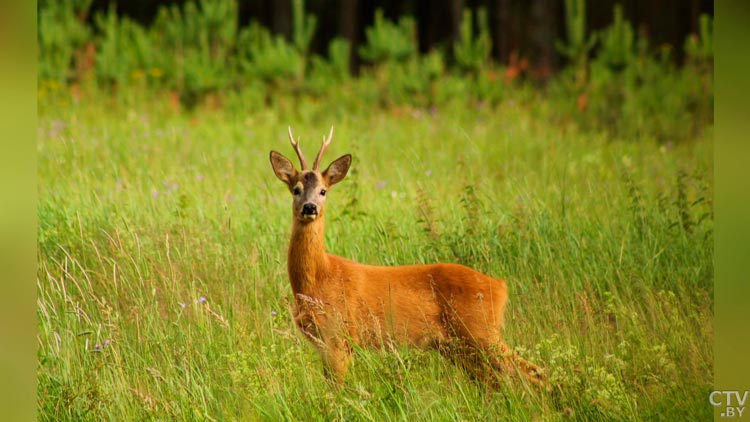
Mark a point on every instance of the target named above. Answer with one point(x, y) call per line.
point(309, 211)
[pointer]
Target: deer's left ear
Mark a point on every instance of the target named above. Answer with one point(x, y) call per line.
point(337, 169)
point(283, 168)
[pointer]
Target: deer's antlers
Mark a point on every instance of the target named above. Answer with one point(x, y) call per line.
point(323, 147)
point(302, 161)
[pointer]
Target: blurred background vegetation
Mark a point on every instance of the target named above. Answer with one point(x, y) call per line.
point(632, 69)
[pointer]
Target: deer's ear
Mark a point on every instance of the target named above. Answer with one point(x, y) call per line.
point(283, 168)
point(337, 170)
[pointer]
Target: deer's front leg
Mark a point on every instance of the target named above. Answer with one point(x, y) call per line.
point(326, 332)
point(336, 357)
point(334, 347)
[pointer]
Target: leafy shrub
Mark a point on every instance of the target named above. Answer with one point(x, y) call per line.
point(700, 47)
point(201, 38)
point(472, 52)
point(415, 81)
point(699, 71)
point(267, 58)
point(125, 51)
point(387, 41)
point(632, 93)
point(594, 389)
point(617, 42)
point(197, 50)
point(326, 74)
point(578, 44)
point(61, 33)
point(400, 75)
point(303, 27)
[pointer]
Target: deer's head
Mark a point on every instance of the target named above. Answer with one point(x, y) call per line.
point(309, 187)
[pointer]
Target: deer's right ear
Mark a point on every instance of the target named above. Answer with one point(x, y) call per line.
point(283, 168)
point(337, 169)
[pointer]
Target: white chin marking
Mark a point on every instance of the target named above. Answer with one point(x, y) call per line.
point(309, 216)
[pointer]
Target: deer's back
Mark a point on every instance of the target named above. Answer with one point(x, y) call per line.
point(419, 304)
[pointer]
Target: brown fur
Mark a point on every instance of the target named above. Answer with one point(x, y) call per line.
point(340, 303)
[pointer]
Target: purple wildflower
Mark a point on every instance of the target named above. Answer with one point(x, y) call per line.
point(274, 313)
point(201, 300)
point(57, 127)
point(382, 184)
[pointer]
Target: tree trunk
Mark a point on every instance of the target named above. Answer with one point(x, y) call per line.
point(457, 7)
point(349, 24)
point(502, 33)
point(281, 19)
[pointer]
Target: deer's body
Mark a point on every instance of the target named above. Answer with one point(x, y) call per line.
point(423, 305)
point(340, 303)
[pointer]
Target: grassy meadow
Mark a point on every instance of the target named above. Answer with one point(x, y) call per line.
point(162, 286)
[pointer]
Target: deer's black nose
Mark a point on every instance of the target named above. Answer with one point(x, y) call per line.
point(309, 209)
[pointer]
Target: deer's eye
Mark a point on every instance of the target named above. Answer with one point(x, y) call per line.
point(297, 191)
point(322, 192)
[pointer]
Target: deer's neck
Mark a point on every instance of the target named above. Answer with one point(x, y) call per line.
point(307, 260)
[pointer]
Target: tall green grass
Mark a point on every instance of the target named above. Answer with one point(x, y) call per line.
point(162, 288)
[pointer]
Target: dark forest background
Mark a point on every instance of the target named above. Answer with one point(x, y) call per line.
point(526, 28)
point(632, 69)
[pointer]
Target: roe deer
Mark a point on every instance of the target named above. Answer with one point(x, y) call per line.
point(340, 303)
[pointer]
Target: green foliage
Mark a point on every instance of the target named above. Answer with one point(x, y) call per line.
point(699, 73)
point(125, 51)
point(414, 82)
point(326, 75)
point(389, 42)
point(617, 42)
point(635, 93)
point(281, 65)
point(465, 238)
point(201, 37)
point(196, 53)
point(650, 98)
point(578, 44)
point(187, 49)
point(472, 52)
point(303, 26)
point(700, 47)
point(269, 58)
point(433, 65)
point(61, 32)
point(575, 26)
